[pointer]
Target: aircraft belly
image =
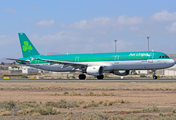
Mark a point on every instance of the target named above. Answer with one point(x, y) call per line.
point(108, 68)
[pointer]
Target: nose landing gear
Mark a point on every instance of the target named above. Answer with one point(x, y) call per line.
point(154, 75)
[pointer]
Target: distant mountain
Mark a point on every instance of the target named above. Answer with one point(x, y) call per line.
point(5, 60)
point(53, 53)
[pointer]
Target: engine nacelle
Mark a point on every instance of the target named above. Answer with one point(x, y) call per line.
point(122, 73)
point(95, 70)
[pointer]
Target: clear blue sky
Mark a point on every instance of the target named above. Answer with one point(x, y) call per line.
point(88, 26)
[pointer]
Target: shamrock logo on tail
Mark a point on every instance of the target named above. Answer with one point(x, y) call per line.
point(26, 46)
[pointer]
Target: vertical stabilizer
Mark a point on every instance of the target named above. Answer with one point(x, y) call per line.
point(26, 46)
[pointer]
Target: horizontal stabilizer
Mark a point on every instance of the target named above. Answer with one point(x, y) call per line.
point(18, 60)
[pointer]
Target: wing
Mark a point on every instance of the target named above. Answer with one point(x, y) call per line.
point(64, 63)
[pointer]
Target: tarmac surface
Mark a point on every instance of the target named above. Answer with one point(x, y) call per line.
point(88, 80)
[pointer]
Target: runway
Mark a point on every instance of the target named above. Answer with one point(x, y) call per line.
point(87, 80)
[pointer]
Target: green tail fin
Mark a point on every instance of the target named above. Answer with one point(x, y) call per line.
point(26, 46)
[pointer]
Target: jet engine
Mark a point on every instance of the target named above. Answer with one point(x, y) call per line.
point(121, 73)
point(95, 70)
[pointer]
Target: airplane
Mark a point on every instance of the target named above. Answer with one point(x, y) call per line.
point(93, 63)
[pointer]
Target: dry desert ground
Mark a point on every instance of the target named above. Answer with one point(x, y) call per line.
point(87, 100)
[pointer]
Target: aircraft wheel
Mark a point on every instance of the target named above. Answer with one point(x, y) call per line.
point(155, 77)
point(100, 77)
point(82, 77)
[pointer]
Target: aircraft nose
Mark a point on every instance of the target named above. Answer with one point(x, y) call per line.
point(171, 62)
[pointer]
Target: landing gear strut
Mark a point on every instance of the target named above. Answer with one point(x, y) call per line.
point(100, 77)
point(82, 77)
point(154, 75)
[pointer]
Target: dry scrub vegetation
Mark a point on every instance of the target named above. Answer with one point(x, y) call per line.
point(87, 101)
point(33, 109)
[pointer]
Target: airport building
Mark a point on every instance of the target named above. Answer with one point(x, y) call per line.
point(166, 72)
point(23, 69)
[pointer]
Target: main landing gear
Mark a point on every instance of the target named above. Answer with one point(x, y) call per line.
point(154, 75)
point(100, 77)
point(82, 77)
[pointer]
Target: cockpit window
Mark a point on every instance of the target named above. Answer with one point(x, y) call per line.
point(163, 57)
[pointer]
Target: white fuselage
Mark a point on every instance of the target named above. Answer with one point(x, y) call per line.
point(111, 65)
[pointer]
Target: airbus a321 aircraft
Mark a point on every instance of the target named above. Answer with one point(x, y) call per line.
point(94, 63)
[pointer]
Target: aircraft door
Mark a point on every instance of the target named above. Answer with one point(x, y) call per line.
point(150, 57)
point(76, 59)
point(116, 59)
point(36, 62)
